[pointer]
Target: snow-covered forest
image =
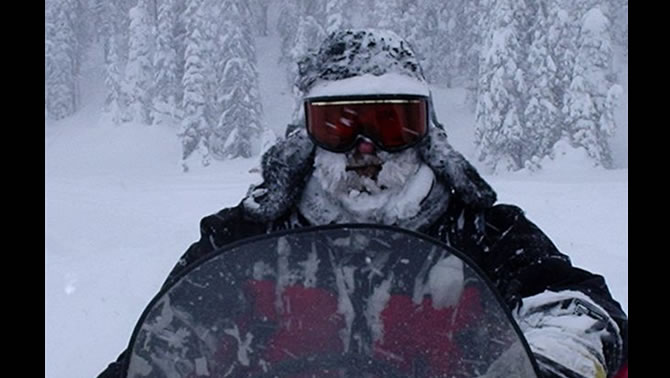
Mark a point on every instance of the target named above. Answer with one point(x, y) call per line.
point(538, 73)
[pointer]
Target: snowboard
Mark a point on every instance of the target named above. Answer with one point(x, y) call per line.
point(330, 301)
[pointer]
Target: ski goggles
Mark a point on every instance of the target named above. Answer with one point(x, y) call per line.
point(392, 122)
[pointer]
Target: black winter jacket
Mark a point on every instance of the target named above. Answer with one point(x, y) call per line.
point(515, 254)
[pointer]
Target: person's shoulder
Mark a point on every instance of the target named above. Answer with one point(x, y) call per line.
point(225, 215)
point(506, 219)
point(225, 222)
point(503, 213)
point(238, 214)
point(228, 225)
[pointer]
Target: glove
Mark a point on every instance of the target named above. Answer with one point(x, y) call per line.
point(566, 332)
point(565, 357)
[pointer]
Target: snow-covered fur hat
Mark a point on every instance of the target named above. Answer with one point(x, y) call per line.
point(350, 53)
point(344, 54)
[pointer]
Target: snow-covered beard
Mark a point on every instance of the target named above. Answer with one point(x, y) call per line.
point(392, 193)
point(331, 170)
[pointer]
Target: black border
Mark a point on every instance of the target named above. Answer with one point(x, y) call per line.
point(315, 229)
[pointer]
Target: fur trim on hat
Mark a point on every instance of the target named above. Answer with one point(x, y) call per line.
point(455, 171)
point(286, 167)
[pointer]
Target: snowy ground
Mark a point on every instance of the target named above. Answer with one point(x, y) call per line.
point(119, 213)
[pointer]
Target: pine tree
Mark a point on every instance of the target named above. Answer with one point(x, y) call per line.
point(259, 11)
point(287, 26)
point(139, 74)
point(444, 53)
point(195, 127)
point(542, 127)
point(561, 41)
point(105, 14)
point(436, 39)
point(77, 17)
point(476, 15)
point(591, 97)
point(166, 82)
point(180, 49)
point(115, 103)
point(238, 129)
point(499, 129)
point(61, 61)
point(111, 20)
point(619, 19)
point(309, 36)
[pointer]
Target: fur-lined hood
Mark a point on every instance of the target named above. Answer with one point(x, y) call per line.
point(288, 164)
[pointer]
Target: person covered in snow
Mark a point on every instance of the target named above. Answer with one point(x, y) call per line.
point(369, 149)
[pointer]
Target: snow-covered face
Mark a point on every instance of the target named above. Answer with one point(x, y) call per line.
point(359, 181)
point(366, 179)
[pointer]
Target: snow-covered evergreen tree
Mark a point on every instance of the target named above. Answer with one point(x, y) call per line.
point(421, 32)
point(499, 129)
point(238, 130)
point(180, 49)
point(475, 17)
point(111, 20)
point(259, 11)
point(139, 73)
point(592, 94)
point(412, 30)
point(78, 18)
point(446, 28)
point(542, 127)
point(210, 17)
point(166, 82)
point(561, 40)
point(309, 35)
point(61, 61)
point(195, 126)
point(102, 12)
point(115, 102)
point(619, 19)
point(287, 26)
